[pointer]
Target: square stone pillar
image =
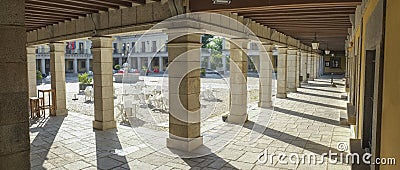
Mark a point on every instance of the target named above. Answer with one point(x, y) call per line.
point(14, 117)
point(43, 66)
point(75, 66)
point(238, 81)
point(160, 64)
point(184, 91)
point(103, 83)
point(139, 64)
point(303, 66)
point(57, 70)
point(265, 75)
point(87, 65)
point(309, 67)
point(298, 59)
point(31, 62)
point(291, 70)
point(282, 67)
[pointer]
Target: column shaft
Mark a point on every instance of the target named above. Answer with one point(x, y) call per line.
point(265, 74)
point(309, 67)
point(291, 70)
point(75, 66)
point(43, 66)
point(184, 91)
point(57, 69)
point(282, 64)
point(14, 122)
point(303, 66)
point(103, 83)
point(31, 56)
point(87, 64)
point(238, 81)
point(139, 63)
point(298, 58)
point(160, 64)
point(120, 61)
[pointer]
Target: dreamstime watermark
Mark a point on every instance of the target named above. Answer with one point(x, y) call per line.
point(340, 157)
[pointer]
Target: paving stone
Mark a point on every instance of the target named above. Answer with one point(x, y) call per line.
point(77, 165)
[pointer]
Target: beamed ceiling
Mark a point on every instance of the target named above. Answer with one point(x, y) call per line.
point(40, 13)
point(300, 19)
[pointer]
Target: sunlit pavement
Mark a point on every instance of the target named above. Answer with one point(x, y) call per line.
point(306, 122)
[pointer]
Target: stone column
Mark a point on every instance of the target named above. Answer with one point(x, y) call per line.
point(161, 64)
point(298, 58)
point(31, 55)
point(87, 65)
point(103, 83)
point(14, 122)
point(224, 63)
point(75, 66)
point(149, 63)
point(281, 69)
point(265, 74)
point(291, 70)
point(139, 63)
point(309, 66)
point(184, 91)
point(303, 65)
point(238, 81)
point(43, 66)
point(57, 70)
point(120, 61)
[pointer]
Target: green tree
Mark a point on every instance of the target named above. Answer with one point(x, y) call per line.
point(205, 39)
point(215, 45)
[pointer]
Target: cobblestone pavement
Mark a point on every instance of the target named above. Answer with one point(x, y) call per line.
point(307, 122)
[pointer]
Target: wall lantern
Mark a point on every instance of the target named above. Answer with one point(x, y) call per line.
point(315, 43)
point(327, 51)
point(222, 2)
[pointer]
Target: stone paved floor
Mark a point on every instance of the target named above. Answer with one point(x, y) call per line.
point(306, 122)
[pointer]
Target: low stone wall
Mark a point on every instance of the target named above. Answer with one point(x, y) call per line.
point(126, 77)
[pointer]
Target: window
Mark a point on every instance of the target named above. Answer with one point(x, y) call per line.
point(335, 62)
point(154, 47)
point(143, 47)
point(133, 47)
point(115, 45)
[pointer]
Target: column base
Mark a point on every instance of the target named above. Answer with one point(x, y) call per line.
point(184, 144)
point(59, 112)
point(292, 90)
point(264, 104)
point(104, 125)
point(281, 95)
point(237, 119)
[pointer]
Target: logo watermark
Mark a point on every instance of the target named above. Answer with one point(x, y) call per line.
point(331, 157)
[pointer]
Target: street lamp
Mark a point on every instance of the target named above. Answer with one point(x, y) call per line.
point(315, 43)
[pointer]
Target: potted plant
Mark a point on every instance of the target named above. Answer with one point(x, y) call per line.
point(155, 69)
point(39, 77)
point(84, 81)
point(203, 72)
point(117, 67)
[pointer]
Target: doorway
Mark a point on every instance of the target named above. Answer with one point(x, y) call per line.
point(368, 98)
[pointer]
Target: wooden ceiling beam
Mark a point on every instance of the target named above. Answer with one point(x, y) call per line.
point(202, 5)
point(287, 13)
point(61, 6)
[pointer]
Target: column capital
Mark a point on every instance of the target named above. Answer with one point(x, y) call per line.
point(239, 42)
point(292, 51)
point(102, 41)
point(30, 49)
point(282, 50)
point(56, 46)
